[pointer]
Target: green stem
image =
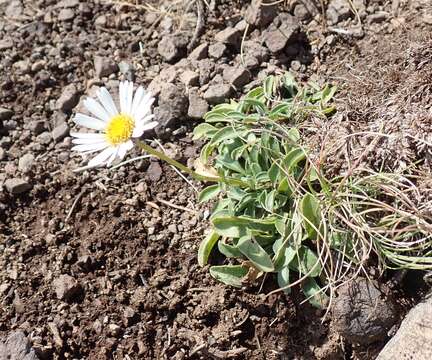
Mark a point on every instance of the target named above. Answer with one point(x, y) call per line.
point(185, 169)
point(175, 163)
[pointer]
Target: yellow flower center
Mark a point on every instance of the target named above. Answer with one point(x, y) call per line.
point(119, 129)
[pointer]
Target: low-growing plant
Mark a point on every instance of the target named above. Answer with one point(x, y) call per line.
point(275, 212)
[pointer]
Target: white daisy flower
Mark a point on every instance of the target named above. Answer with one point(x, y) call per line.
point(116, 129)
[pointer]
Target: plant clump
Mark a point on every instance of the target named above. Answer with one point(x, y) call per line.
point(275, 211)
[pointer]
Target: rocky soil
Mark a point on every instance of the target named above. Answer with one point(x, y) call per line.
point(102, 264)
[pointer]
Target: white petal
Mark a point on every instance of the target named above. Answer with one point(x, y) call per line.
point(88, 122)
point(145, 119)
point(107, 101)
point(101, 158)
point(80, 135)
point(122, 96)
point(129, 97)
point(88, 141)
point(113, 156)
point(145, 107)
point(124, 148)
point(138, 131)
point(90, 147)
point(96, 109)
point(137, 100)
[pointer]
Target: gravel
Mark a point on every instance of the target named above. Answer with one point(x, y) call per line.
point(236, 76)
point(104, 66)
point(60, 132)
point(17, 186)
point(217, 93)
point(68, 99)
point(66, 288)
point(229, 35)
point(25, 163)
point(5, 114)
point(197, 105)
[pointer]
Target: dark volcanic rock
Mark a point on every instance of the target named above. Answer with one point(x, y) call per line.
point(68, 99)
point(237, 76)
point(362, 313)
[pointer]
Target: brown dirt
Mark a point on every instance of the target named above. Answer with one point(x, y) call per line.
point(138, 291)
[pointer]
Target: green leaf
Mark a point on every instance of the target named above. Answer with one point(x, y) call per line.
point(280, 110)
point(270, 201)
point(290, 84)
point(222, 205)
point(312, 291)
point(203, 130)
point(284, 187)
point(293, 134)
point(255, 253)
point(306, 261)
point(283, 280)
point(293, 158)
point(274, 173)
point(236, 226)
point(310, 209)
point(229, 250)
point(226, 133)
point(230, 226)
point(269, 86)
point(209, 193)
point(284, 255)
point(206, 247)
point(229, 274)
point(206, 152)
point(328, 94)
point(227, 162)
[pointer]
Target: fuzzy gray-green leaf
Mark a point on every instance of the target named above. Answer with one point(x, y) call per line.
point(206, 247)
point(229, 274)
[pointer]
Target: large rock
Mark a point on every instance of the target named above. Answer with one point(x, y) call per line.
point(26, 162)
point(230, 36)
point(17, 186)
point(104, 66)
point(172, 47)
point(413, 340)
point(67, 288)
point(68, 99)
point(218, 93)
point(337, 11)
point(237, 76)
point(17, 347)
point(254, 54)
point(259, 13)
point(173, 106)
point(362, 313)
point(282, 31)
point(198, 107)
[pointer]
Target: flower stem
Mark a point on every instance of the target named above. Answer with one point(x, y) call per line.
point(175, 163)
point(184, 168)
